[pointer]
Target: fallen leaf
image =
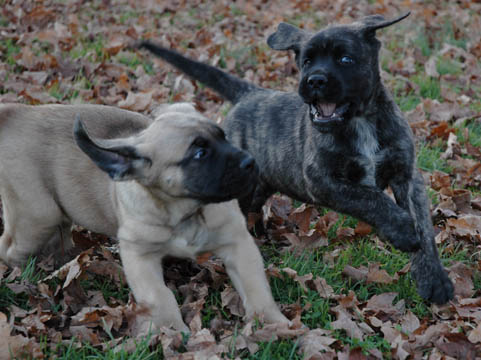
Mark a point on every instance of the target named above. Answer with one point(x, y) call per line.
point(376, 275)
point(315, 342)
point(232, 301)
point(136, 101)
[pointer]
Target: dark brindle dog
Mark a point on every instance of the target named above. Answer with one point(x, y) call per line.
point(338, 143)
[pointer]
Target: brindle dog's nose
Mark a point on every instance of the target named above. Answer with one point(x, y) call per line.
point(248, 163)
point(317, 81)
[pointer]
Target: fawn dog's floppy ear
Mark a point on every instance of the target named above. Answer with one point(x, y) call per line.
point(120, 160)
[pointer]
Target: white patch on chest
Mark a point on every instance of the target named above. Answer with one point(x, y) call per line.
point(367, 145)
point(366, 142)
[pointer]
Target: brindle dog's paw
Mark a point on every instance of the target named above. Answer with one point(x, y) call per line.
point(435, 286)
point(403, 236)
point(409, 243)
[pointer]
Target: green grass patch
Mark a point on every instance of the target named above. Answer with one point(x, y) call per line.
point(212, 307)
point(108, 288)
point(370, 342)
point(474, 128)
point(422, 42)
point(407, 103)
point(129, 59)
point(447, 35)
point(406, 99)
point(447, 66)
point(429, 159)
point(90, 47)
point(141, 351)
point(127, 15)
point(29, 274)
point(428, 87)
point(8, 51)
point(281, 350)
point(358, 253)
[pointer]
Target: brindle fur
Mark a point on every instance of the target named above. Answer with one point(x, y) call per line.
point(345, 164)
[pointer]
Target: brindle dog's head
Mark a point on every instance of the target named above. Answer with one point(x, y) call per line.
point(339, 67)
point(181, 155)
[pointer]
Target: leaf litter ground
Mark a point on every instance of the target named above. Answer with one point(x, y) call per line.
point(349, 295)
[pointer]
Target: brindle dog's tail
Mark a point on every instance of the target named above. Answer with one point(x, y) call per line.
point(228, 86)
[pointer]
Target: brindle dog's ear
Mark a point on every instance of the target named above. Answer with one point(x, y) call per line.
point(375, 22)
point(118, 159)
point(288, 37)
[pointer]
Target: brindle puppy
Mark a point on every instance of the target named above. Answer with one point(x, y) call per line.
point(338, 142)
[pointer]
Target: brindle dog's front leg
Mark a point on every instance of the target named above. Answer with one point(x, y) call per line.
point(431, 278)
point(367, 203)
point(144, 273)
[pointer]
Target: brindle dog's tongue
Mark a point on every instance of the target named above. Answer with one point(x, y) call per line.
point(326, 109)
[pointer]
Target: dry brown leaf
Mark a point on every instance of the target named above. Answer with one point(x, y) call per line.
point(432, 333)
point(359, 274)
point(457, 346)
point(379, 276)
point(362, 229)
point(440, 180)
point(410, 322)
point(232, 301)
point(475, 335)
point(322, 287)
point(106, 317)
point(345, 232)
point(136, 101)
point(17, 345)
point(344, 322)
point(277, 331)
point(462, 279)
point(315, 342)
point(301, 216)
point(466, 227)
point(430, 67)
point(453, 147)
point(396, 340)
point(382, 307)
point(85, 334)
point(73, 269)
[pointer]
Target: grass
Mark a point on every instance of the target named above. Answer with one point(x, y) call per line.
point(474, 133)
point(29, 275)
point(93, 48)
point(108, 288)
point(282, 350)
point(447, 66)
point(9, 50)
point(429, 159)
point(428, 87)
point(409, 91)
point(141, 351)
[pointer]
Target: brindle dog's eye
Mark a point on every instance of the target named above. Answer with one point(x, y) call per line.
point(200, 153)
point(346, 60)
point(306, 62)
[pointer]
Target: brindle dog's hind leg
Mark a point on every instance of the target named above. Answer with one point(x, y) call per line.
point(432, 280)
point(254, 201)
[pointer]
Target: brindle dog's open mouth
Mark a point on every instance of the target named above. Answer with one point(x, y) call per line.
point(323, 113)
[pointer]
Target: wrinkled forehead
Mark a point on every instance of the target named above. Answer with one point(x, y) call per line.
point(343, 38)
point(182, 128)
point(183, 107)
